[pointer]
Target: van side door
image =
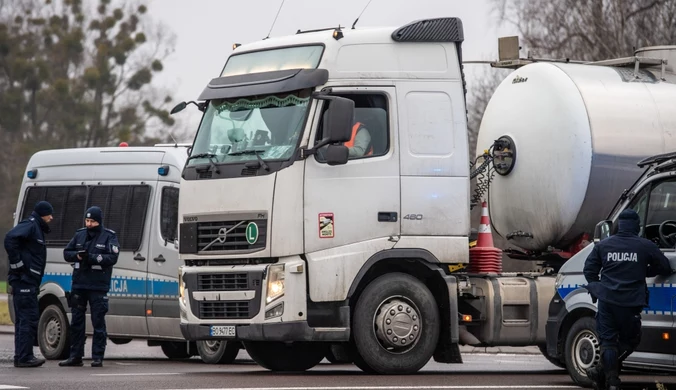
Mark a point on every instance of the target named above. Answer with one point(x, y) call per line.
point(162, 307)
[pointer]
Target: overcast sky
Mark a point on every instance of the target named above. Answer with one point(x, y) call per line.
point(206, 29)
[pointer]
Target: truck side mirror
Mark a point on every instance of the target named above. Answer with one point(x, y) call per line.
point(602, 230)
point(337, 154)
point(337, 121)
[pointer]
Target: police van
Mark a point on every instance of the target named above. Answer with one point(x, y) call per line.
point(572, 341)
point(137, 188)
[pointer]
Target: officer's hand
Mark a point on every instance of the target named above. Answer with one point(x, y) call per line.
point(594, 299)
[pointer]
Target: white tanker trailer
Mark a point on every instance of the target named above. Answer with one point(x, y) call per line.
point(574, 134)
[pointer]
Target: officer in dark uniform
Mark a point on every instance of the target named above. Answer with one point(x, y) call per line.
point(93, 252)
point(624, 260)
point(27, 253)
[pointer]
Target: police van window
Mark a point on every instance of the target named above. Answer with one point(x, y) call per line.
point(124, 211)
point(169, 214)
point(69, 207)
point(370, 129)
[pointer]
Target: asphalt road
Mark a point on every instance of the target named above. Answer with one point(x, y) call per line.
point(136, 366)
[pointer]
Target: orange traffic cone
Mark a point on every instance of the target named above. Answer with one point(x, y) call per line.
point(484, 258)
point(485, 236)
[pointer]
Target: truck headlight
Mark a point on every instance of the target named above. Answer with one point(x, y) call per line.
point(275, 282)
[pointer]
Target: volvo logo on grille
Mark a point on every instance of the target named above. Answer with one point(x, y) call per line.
point(222, 235)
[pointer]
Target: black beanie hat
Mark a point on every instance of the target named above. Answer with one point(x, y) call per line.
point(95, 213)
point(43, 208)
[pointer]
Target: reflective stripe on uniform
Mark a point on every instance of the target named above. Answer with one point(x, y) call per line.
point(35, 271)
point(17, 265)
point(97, 267)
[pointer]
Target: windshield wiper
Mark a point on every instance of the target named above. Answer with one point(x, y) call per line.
point(261, 162)
point(210, 156)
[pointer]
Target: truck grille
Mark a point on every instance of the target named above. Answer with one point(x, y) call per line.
point(222, 282)
point(211, 236)
point(224, 310)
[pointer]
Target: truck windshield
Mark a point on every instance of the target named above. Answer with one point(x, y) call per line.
point(253, 128)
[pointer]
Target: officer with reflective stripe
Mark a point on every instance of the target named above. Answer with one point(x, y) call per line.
point(27, 253)
point(623, 260)
point(93, 252)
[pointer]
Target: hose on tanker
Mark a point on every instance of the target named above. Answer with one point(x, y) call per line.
point(484, 174)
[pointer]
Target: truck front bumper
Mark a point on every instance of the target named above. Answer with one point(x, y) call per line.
point(282, 331)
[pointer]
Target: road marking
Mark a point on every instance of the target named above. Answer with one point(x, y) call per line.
point(8, 387)
point(396, 387)
point(141, 374)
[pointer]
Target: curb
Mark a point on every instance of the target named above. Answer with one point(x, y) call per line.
point(6, 329)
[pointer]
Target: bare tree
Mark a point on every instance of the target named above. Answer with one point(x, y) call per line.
point(590, 30)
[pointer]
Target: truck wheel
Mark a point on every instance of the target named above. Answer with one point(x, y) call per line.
point(175, 350)
point(554, 361)
point(218, 351)
point(583, 350)
point(53, 334)
point(396, 324)
point(278, 356)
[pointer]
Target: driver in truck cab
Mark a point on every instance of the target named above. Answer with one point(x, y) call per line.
point(623, 261)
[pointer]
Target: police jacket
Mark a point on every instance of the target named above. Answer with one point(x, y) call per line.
point(624, 260)
point(25, 246)
point(94, 271)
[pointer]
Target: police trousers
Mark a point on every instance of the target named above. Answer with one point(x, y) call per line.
point(98, 302)
point(619, 330)
point(27, 315)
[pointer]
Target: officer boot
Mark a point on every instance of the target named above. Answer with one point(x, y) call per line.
point(597, 377)
point(32, 362)
point(613, 380)
point(71, 362)
point(97, 362)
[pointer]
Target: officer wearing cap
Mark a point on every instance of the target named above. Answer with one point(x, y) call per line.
point(623, 260)
point(93, 252)
point(25, 246)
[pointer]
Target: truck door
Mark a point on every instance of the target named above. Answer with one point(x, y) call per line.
point(356, 206)
point(162, 308)
point(656, 205)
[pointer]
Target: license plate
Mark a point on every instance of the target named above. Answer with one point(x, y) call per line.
point(222, 331)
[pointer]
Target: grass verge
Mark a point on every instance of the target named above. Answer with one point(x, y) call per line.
point(3, 287)
point(4, 314)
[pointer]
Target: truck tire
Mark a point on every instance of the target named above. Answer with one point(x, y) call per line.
point(582, 351)
point(403, 300)
point(554, 361)
point(174, 350)
point(53, 333)
point(218, 351)
point(279, 356)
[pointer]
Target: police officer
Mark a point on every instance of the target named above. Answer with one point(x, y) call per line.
point(624, 260)
point(93, 252)
point(25, 246)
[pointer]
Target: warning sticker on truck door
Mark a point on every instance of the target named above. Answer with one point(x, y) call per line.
point(326, 225)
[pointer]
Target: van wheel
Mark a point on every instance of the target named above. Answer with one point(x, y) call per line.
point(53, 334)
point(554, 361)
point(218, 351)
point(402, 300)
point(279, 356)
point(175, 350)
point(583, 350)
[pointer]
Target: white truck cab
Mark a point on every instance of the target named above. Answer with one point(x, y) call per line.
point(299, 231)
point(571, 327)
